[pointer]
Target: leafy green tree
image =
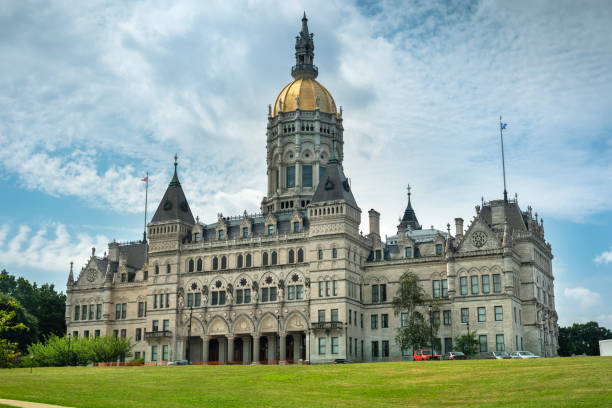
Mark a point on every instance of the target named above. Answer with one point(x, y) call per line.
point(582, 339)
point(23, 327)
point(43, 302)
point(9, 326)
point(411, 299)
point(467, 344)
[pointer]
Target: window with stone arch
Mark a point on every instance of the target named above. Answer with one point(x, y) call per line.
point(243, 290)
point(191, 265)
point(157, 269)
point(215, 263)
point(248, 260)
point(274, 258)
point(264, 259)
point(291, 256)
point(223, 262)
point(168, 268)
point(217, 292)
point(239, 261)
point(295, 286)
point(300, 255)
point(199, 265)
point(268, 288)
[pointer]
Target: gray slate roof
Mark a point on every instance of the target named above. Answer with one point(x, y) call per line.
point(334, 185)
point(173, 205)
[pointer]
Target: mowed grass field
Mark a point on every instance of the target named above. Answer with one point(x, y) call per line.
point(559, 382)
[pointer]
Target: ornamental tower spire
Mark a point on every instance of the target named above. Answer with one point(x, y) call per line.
point(304, 54)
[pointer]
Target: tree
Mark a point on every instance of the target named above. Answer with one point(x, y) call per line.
point(61, 351)
point(9, 326)
point(43, 302)
point(467, 344)
point(20, 326)
point(582, 339)
point(416, 330)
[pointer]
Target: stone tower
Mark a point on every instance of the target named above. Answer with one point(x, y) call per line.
point(302, 125)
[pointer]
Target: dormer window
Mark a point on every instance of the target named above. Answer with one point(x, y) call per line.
point(296, 226)
point(270, 229)
point(438, 249)
point(196, 237)
point(245, 232)
point(408, 252)
point(221, 234)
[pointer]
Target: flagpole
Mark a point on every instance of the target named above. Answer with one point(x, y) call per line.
point(501, 135)
point(145, 216)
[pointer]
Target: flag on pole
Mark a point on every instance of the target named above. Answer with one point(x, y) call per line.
point(146, 179)
point(503, 125)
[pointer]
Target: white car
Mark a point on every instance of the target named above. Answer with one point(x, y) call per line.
point(523, 354)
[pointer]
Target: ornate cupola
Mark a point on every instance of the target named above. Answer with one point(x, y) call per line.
point(302, 124)
point(173, 220)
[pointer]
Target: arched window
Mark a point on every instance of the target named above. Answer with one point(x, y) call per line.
point(239, 261)
point(168, 269)
point(334, 253)
point(248, 261)
point(274, 258)
point(291, 256)
point(215, 263)
point(199, 264)
point(157, 269)
point(191, 265)
point(223, 262)
point(300, 255)
point(264, 259)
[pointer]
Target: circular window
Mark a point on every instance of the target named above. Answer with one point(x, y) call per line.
point(194, 286)
point(243, 282)
point(218, 284)
point(291, 156)
point(479, 239)
point(269, 280)
point(307, 155)
point(295, 277)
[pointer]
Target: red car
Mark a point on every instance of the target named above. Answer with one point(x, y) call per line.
point(422, 355)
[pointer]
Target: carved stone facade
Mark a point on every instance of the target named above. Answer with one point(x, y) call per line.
point(299, 282)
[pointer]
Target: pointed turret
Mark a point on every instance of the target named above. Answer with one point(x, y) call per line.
point(409, 220)
point(70, 276)
point(304, 54)
point(173, 205)
point(333, 184)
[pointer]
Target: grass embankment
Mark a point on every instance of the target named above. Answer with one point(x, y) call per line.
point(561, 382)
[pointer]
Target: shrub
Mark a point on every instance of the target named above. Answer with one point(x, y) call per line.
point(61, 351)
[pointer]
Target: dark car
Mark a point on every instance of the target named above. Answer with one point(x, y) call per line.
point(340, 361)
point(178, 362)
point(454, 355)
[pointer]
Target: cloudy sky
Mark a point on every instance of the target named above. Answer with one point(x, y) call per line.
point(94, 94)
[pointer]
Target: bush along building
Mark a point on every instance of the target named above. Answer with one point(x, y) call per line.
point(298, 281)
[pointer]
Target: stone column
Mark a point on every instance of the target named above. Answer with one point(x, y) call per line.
point(205, 340)
point(283, 348)
point(230, 348)
point(297, 340)
point(246, 343)
point(255, 348)
point(271, 347)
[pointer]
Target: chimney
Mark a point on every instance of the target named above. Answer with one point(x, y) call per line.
point(458, 227)
point(113, 251)
point(374, 222)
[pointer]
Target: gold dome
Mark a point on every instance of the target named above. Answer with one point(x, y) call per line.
point(308, 90)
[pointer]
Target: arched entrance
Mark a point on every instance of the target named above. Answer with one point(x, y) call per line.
point(263, 349)
point(238, 351)
point(290, 348)
point(213, 350)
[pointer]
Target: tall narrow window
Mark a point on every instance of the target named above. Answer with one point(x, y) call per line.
point(221, 234)
point(474, 285)
point(499, 342)
point(118, 311)
point(291, 256)
point(321, 172)
point(77, 312)
point(215, 263)
point(436, 289)
point(482, 314)
point(438, 249)
point(168, 268)
point(482, 341)
point(300, 255)
point(408, 252)
point(374, 293)
point(335, 288)
point(239, 261)
point(84, 312)
point(375, 349)
point(486, 288)
point(496, 283)
point(322, 345)
point(91, 312)
point(321, 316)
point(327, 288)
point(320, 254)
point(290, 176)
point(296, 226)
point(444, 288)
point(264, 259)
point(465, 315)
point(306, 176)
point(98, 311)
point(191, 265)
point(334, 315)
point(374, 321)
point(223, 262)
point(404, 319)
point(383, 292)
point(248, 261)
point(199, 265)
point(447, 317)
point(274, 258)
point(320, 291)
point(270, 229)
point(334, 253)
point(245, 232)
point(335, 345)
point(463, 286)
point(385, 348)
point(499, 314)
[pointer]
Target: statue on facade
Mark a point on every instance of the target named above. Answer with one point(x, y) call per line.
point(204, 295)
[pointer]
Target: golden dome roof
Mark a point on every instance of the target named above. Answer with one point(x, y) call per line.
point(307, 89)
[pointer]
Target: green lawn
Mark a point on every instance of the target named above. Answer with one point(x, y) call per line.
point(560, 382)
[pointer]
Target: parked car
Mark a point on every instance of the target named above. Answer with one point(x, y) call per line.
point(499, 355)
point(422, 355)
point(523, 354)
point(178, 362)
point(340, 361)
point(454, 355)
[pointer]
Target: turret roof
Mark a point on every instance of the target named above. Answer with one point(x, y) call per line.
point(173, 205)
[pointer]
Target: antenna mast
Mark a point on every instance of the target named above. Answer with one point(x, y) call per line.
point(501, 135)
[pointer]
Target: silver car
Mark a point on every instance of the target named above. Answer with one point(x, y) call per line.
point(523, 354)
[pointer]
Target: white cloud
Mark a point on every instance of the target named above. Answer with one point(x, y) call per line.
point(581, 297)
point(604, 258)
point(48, 249)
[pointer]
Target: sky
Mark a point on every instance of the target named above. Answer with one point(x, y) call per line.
point(95, 94)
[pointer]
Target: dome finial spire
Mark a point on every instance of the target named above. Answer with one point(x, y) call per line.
point(304, 53)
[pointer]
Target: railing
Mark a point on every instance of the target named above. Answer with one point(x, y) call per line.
point(327, 325)
point(158, 334)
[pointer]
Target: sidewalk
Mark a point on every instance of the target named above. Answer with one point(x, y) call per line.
point(26, 404)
